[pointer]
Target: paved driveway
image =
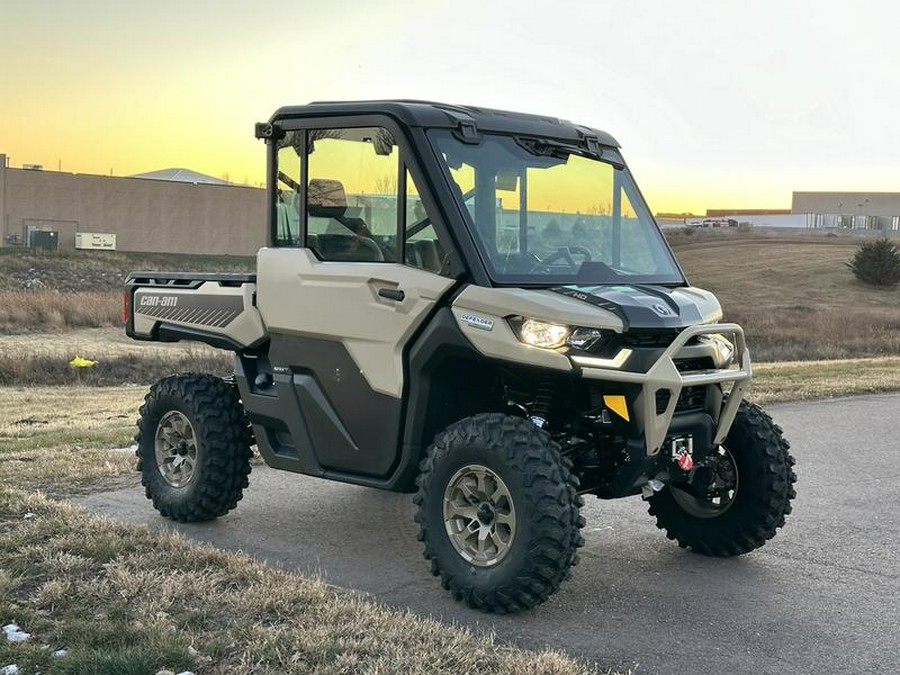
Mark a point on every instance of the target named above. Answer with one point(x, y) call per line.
point(822, 597)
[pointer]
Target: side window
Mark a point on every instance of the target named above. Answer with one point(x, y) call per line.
point(352, 194)
point(422, 248)
point(287, 191)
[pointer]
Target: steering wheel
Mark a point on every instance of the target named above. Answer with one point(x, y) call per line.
point(563, 253)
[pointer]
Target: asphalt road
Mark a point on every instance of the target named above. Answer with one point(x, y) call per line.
point(819, 598)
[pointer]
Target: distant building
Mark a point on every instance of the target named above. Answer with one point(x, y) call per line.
point(875, 211)
point(849, 210)
point(177, 210)
point(167, 211)
point(769, 218)
point(722, 213)
point(181, 176)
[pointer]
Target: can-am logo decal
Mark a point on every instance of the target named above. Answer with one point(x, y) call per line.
point(478, 321)
point(661, 309)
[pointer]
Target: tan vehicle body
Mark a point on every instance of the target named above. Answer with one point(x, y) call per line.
point(476, 306)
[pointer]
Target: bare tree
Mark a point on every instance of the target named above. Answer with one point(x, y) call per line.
point(386, 185)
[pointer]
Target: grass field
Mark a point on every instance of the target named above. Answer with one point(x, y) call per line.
point(42, 358)
point(131, 600)
point(793, 294)
point(89, 271)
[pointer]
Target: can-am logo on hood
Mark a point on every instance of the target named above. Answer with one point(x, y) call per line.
point(638, 306)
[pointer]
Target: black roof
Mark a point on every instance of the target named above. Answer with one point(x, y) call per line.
point(431, 114)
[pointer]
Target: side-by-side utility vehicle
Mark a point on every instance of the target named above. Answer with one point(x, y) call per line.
point(476, 306)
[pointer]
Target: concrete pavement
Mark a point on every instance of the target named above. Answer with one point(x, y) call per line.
point(819, 598)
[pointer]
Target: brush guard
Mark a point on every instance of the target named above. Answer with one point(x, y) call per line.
point(664, 375)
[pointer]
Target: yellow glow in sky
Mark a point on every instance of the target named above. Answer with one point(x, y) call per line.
point(716, 105)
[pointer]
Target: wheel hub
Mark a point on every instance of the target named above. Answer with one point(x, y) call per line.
point(713, 486)
point(175, 444)
point(479, 515)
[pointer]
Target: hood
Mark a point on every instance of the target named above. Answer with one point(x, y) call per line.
point(640, 306)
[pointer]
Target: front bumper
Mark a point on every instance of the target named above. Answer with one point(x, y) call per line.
point(664, 375)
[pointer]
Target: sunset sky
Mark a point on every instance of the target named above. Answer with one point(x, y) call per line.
point(716, 104)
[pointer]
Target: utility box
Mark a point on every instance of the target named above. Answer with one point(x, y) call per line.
point(95, 241)
point(45, 240)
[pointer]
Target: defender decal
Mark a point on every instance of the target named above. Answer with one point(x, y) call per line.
point(478, 321)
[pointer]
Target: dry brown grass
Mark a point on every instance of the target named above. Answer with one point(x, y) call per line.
point(54, 369)
point(802, 380)
point(43, 358)
point(93, 343)
point(82, 289)
point(58, 439)
point(133, 600)
point(793, 293)
point(50, 417)
point(82, 271)
point(26, 311)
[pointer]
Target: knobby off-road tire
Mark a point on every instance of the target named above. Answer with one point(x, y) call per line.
point(759, 504)
point(193, 447)
point(534, 493)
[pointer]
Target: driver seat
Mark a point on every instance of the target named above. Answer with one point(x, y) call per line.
point(343, 237)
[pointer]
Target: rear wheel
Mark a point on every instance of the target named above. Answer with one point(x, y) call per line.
point(738, 497)
point(193, 447)
point(498, 511)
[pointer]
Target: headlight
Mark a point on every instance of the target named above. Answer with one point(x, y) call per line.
point(723, 346)
point(552, 335)
point(585, 338)
point(541, 334)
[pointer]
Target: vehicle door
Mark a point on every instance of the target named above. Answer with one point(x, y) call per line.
point(355, 269)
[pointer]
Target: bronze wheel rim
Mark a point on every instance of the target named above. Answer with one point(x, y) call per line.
point(479, 515)
point(176, 449)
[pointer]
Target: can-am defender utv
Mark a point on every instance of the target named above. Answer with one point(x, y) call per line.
point(477, 306)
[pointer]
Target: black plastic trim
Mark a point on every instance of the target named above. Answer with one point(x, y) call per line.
point(167, 332)
point(351, 426)
point(195, 278)
point(415, 113)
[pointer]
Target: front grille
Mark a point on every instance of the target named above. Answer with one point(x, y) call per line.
point(690, 365)
point(691, 399)
point(656, 339)
point(610, 345)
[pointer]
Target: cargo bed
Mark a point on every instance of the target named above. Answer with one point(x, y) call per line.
point(218, 309)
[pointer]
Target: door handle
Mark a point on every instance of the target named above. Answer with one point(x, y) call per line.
point(392, 294)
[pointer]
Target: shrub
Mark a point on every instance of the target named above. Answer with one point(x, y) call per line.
point(877, 263)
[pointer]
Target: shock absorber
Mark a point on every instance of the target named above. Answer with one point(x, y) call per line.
point(543, 402)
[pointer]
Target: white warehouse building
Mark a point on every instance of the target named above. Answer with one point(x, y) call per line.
point(849, 210)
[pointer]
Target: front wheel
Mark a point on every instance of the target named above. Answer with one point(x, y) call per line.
point(498, 511)
point(193, 447)
point(738, 497)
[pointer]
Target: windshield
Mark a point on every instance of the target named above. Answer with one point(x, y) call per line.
point(542, 214)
